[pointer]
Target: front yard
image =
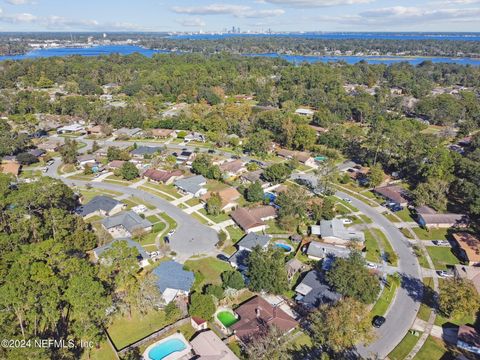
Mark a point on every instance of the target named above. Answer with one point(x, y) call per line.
point(442, 256)
point(386, 297)
point(432, 234)
point(404, 347)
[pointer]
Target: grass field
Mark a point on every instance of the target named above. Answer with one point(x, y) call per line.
point(387, 247)
point(432, 234)
point(434, 349)
point(404, 347)
point(386, 297)
point(442, 256)
point(217, 219)
point(207, 271)
point(373, 250)
point(426, 306)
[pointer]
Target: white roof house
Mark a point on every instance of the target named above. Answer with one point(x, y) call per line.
point(304, 112)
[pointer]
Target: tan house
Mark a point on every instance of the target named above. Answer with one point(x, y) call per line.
point(429, 218)
point(162, 176)
point(163, 133)
point(208, 346)
point(229, 197)
point(468, 246)
point(253, 219)
point(95, 130)
point(301, 156)
point(233, 168)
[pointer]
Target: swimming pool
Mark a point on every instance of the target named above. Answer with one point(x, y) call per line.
point(226, 318)
point(170, 348)
point(285, 247)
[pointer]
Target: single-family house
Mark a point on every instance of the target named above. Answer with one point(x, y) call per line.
point(468, 247)
point(314, 291)
point(162, 176)
point(256, 315)
point(193, 185)
point(100, 206)
point(293, 267)
point(73, 128)
point(185, 157)
point(233, 168)
point(142, 255)
point(253, 219)
point(334, 232)
point(393, 193)
point(301, 156)
point(254, 176)
point(228, 196)
point(239, 259)
point(11, 168)
point(51, 145)
point(163, 133)
point(470, 273)
point(141, 151)
point(304, 112)
point(126, 132)
point(468, 339)
point(125, 224)
point(308, 179)
point(115, 164)
point(95, 130)
point(195, 136)
point(429, 218)
point(38, 153)
point(208, 346)
point(173, 280)
point(318, 251)
point(86, 160)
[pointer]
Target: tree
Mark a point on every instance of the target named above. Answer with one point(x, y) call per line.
point(375, 175)
point(214, 204)
point(304, 137)
point(267, 344)
point(458, 297)
point(351, 278)
point(69, 151)
point(342, 326)
point(172, 312)
point(266, 270)
point(292, 205)
point(432, 193)
point(114, 153)
point(202, 306)
point(129, 171)
point(214, 290)
point(26, 158)
point(277, 173)
point(258, 143)
point(233, 280)
point(201, 164)
point(254, 193)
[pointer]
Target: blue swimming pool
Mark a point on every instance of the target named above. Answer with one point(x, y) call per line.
point(163, 349)
point(285, 247)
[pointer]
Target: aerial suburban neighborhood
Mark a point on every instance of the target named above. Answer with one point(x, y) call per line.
point(204, 204)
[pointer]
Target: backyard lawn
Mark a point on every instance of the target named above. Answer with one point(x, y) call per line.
point(404, 347)
point(126, 330)
point(442, 256)
point(432, 234)
point(104, 352)
point(207, 271)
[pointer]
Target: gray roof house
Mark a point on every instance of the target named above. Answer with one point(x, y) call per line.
point(249, 241)
point(127, 132)
point(173, 280)
point(239, 260)
point(334, 231)
point(125, 224)
point(192, 185)
point(145, 150)
point(313, 291)
point(142, 254)
point(318, 250)
point(100, 205)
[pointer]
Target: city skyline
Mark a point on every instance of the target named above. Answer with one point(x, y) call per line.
point(254, 16)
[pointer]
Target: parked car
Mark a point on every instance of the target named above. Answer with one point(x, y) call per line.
point(396, 208)
point(372, 265)
point(45, 169)
point(50, 162)
point(222, 257)
point(378, 321)
point(171, 232)
point(347, 221)
point(444, 274)
point(348, 200)
point(441, 242)
point(388, 204)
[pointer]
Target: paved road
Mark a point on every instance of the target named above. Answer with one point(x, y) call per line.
point(404, 309)
point(190, 238)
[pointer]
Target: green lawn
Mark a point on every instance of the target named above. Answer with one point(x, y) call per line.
point(442, 256)
point(104, 352)
point(89, 194)
point(273, 228)
point(156, 193)
point(373, 250)
point(200, 219)
point(432, 234)
point(235, 233)
point(172, 224)
point(406, 233)
point(426, 306)
point(387, 247)
point(153, 219)
point(207, 271)
point(126, 330)
point(169, 189)
point(404, 347)
point(405, 215)
point(457, 320)
point(386, 297)
point(214, 185)
point(192, 202)
point(365, 219)
point(434, 349)
point(217, 219)
point(422, 259)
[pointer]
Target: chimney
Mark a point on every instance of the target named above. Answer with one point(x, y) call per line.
point(257, 312)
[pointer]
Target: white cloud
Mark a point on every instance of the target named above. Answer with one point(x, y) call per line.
point(192, 22)
point(315, 3)
point(239, 11)
point(20, 2)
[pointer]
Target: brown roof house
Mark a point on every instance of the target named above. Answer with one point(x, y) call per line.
point(12, 168)
point(429, 218)
point(302, 156)
point(253, 219)
point(468, 246)
point(163, 133)
point(96, 130)
point(233, 168)
point(115, 164)
point(162, 176)
point(51, 145)
point(229, 197)
point(468, 339)
point(257, 315)
point(471, 273)
point(392, 193)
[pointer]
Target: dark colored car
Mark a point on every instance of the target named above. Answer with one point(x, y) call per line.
point(378, 321)
point(222, 257)
point(396, 208)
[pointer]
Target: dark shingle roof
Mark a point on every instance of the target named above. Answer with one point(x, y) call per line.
point(251, 240)
point(101, 249)
point(101, 202)
point(320, 292)
point(143, 150)
point(191, 184)
point(129, 220)
point(171, 275)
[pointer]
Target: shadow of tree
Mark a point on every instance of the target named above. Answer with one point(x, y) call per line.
point(418, 291)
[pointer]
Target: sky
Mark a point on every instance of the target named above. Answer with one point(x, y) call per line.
point(248, 15)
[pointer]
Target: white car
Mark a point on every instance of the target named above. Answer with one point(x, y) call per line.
point(348, 200)
point(347, 221)
point(372, 265)
point(171, 232)
point(444, 274)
